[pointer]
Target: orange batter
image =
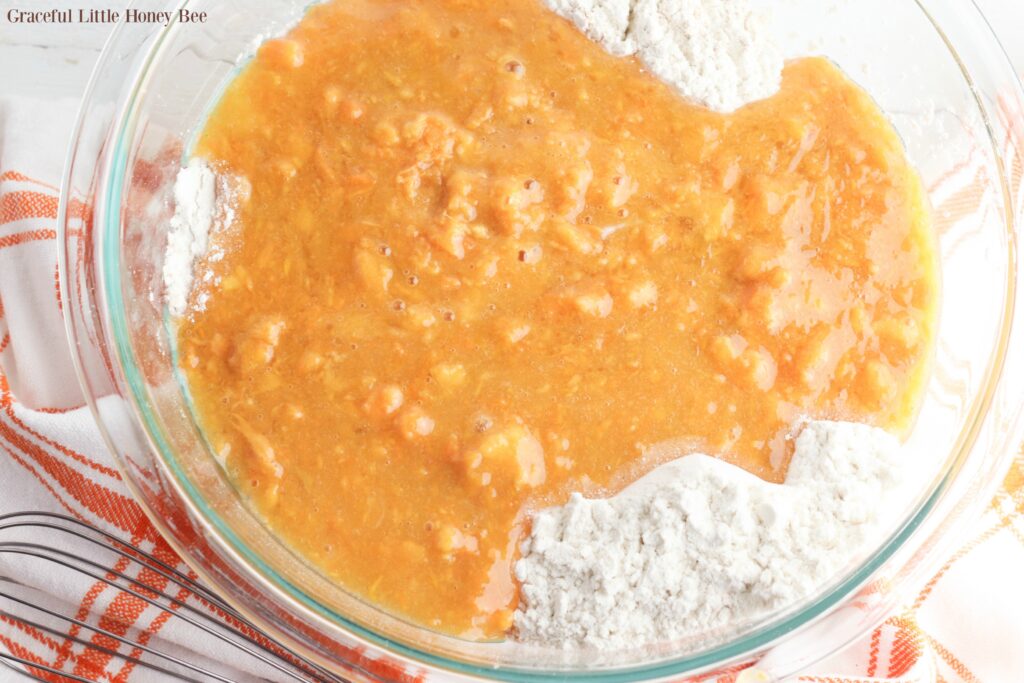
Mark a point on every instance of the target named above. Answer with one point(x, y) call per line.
point(483, 263)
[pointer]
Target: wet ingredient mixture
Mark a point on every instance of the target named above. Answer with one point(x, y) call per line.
point(483, 263)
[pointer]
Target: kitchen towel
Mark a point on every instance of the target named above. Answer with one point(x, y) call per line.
point(963, 625)
point(52, 457)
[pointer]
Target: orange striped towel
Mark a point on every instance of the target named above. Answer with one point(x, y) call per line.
point(51, 454)
point(964, 625)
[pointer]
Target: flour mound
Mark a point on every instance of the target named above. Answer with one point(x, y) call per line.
point(699, 545)
point(716, 53)
point(203, 204)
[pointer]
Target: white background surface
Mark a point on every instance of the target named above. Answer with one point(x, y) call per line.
point(51, 61)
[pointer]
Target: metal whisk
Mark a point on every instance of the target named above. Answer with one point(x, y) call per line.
point(59, 545)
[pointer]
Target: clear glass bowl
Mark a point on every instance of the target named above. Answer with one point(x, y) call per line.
point(934, 67)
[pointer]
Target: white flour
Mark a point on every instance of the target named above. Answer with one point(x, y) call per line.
point(699, 544)
point(202, 203)
point(715, 52)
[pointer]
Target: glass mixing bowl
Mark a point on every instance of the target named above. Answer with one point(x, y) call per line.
point(933, 66)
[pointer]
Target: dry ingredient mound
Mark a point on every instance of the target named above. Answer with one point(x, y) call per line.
point(699, 545)
point(187, 239)
point(716, 53)
point(203, 203)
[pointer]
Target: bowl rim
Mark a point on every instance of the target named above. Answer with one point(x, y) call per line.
point(770, 630)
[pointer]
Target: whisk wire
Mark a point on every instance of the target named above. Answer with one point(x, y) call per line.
point(156, 565)
point(105, 650)
point(124, 550)
point(222, 623)
point(30, 668)
point(13, 549)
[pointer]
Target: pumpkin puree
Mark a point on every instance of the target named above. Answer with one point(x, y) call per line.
point(482, 263)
